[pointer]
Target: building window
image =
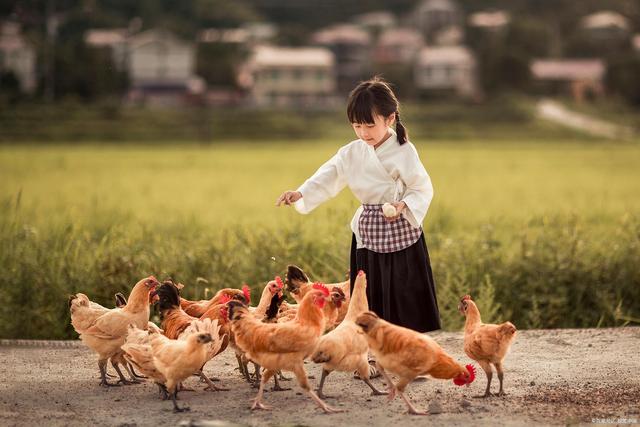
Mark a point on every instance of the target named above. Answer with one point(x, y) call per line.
point(449, 71)
point(320, 75)
point(297, 74)
point(275, 74)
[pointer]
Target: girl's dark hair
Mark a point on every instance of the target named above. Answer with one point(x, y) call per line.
point(375, 96)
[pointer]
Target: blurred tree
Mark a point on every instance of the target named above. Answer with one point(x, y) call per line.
point(504, 56)
point(9, 88)
point(217, 63)
point(622, 77)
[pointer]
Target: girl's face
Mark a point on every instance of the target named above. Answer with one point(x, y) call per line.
point(374, 133)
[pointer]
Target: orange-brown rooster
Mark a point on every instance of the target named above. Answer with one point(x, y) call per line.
point(485, 343)
point(408, 354)
point(298, 285)
point(281, 346)
point(198, 308)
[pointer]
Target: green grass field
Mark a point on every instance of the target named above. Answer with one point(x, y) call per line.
point(530, 227)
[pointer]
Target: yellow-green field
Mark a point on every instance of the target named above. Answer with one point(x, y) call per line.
point(530, 227)
point(219, 186)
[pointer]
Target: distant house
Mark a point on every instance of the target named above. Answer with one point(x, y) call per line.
point(494, 20)
point(450, 36)
point(376, 22)
point(17, 56)
point(252, 33)
point(449, 69)
point(606, 25)
point(398, 46)
point(113, 39)
point(162, 69)
point(229, 35)
point(351, 46)
point(290, 77)
point(433, 16)
point(581, 78)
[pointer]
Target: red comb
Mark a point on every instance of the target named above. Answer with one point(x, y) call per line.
point(247, 292)
point(279, 282)
point(459, 380)
point(224, 298)
point(321, 287)
point(360, 273)
point(466, 297)
point(224, 313)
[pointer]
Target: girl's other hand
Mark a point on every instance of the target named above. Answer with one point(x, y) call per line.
point(400, 207)
point(289, 198)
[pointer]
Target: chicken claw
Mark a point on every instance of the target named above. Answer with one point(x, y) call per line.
point(210, 385)
point(259, 405)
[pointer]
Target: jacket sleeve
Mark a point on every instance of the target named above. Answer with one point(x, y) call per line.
point(419, 190)
point(323, 185)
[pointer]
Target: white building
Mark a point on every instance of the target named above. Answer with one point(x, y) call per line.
point(280, 76)
point(162, 69)
point(446, 69)
point(17, 56)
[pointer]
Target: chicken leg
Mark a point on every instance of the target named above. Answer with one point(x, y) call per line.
point(500, 378)
point(176, 408)
point(210, 385)
point(402, 384)
point(301, 376)
point(102, 365)
point(486, 367)
point(257, 402)
point(364, 373)
point(321, 395)
point(122, 379)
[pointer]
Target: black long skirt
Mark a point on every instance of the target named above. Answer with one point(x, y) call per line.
point(400, 285)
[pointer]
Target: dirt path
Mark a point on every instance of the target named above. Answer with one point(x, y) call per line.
point(559, 114)
point(552, 377)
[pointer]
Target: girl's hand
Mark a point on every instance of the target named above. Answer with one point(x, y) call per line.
point(400, 207)
point(289, 198)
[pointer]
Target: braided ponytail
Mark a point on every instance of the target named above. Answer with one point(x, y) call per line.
point(401, 131)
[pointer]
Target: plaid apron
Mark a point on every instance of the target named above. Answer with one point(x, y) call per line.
point(381, 236)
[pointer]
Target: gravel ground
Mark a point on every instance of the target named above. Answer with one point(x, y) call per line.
point(569, 376)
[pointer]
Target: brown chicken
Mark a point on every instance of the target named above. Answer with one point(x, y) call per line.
point(298, 285)
point(281, 346)
point(198, 308)
point(345, 348)
point(272, 288)
point(408, 354)
point(107, 333)
point(485, 343)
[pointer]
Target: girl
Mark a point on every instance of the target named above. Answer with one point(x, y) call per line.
point(381, 166)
